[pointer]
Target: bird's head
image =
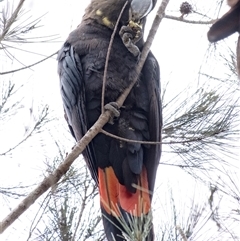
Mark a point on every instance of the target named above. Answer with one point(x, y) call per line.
point(139, 10)
point(106, 12)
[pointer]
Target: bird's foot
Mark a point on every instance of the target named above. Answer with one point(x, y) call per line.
point(130, 36)
point(114, 109)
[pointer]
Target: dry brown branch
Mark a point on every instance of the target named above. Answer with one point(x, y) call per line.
point(184, 238)
point(11, 20)
point(55, 176)
point(194, 139)
point(131, 140)
point(181, 19)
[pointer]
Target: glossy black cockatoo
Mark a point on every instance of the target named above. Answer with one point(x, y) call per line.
point(124, 171)
point(227, 25)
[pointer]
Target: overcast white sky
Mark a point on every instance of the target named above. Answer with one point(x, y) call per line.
point(180, 50)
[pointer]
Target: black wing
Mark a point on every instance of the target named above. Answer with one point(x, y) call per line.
point(152, 72)
point(73, 96)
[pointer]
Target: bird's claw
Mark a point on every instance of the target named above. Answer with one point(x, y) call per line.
point(130, 36)
point(136, 31)
point(114, 109)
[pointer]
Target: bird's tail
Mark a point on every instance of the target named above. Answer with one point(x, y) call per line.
point(125, 214)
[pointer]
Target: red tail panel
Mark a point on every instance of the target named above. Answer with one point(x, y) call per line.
point(137, 203)
point(108, 189)
point(113, 194)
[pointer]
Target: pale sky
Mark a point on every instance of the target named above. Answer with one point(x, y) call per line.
point(180, 49)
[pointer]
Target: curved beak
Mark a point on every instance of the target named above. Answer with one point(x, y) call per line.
point(140, 9)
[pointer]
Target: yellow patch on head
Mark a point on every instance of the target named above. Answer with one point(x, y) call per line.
point(99, 12)
point(107, 22)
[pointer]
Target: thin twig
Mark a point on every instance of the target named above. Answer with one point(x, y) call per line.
point(130, 140)
point(30, 133)
point(83, 205)
point(182, 233)
point(11, 20)
point(42, 210)
point(194, 139)
point(28, 66)
point(181, 19)
point(108, 55)
point(55, 176)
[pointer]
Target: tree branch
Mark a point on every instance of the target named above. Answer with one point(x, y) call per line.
point(55, 176)
point(181, 19)
point(11, 20)
point(28, 66)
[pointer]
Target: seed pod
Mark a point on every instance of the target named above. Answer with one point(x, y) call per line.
point(186, 8)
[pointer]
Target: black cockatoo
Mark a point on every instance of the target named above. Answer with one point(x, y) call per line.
point(124, 172)
point(227, 25)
